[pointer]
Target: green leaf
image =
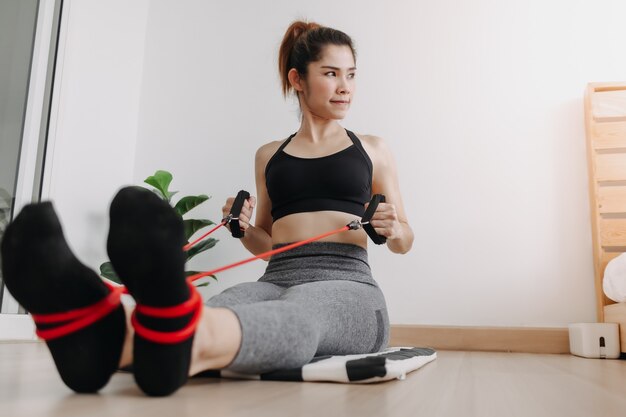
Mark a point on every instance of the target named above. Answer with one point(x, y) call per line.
point(187, 203)
point(190, 273)
point(107, 271)
point(193, 225)
point(171, 194)
point(161, 181)
point(204, 284)
point(201, 247)
point(4, 215)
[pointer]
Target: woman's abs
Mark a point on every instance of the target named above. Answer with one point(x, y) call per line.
point(300, 226)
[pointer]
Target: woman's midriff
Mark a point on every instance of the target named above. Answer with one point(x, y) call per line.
point(300, 226)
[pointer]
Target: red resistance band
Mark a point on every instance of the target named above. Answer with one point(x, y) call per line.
point(266, 254)
point(193, 305)
point(195, 242)
point(79, 318)
point(233, 218)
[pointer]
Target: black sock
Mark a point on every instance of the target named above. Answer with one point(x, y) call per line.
point(45, 277)
point(145, 243)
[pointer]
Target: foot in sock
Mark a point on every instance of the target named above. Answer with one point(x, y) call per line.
point(145, 243)
point(45, 277)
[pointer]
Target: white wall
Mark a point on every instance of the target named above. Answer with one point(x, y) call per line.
point(91, 150)
point(480, 101)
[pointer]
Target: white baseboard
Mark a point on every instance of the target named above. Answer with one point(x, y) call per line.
point(16, 327)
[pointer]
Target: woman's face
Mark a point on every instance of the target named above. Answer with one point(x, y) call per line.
point(330, 83)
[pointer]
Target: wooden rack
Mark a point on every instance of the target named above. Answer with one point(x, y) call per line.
point(605, 119)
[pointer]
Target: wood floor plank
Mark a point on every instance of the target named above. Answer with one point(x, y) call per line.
point(467, 384)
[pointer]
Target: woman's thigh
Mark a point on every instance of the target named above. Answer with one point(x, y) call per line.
point(245, 293)
point(352, 316)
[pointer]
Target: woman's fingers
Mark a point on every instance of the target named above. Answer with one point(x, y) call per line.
point(246, 211)
point(385, 220)
point(227, 206)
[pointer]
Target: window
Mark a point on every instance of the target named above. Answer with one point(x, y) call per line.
point(28, 44)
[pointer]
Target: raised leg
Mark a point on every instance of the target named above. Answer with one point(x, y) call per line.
point(45, 277)
point(145, 246)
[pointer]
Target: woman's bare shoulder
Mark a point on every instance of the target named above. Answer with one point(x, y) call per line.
point(373, 144)
point(265, 152)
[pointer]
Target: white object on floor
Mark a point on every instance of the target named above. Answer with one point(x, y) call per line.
point(392, 363)
point(594, 340)
point(614, 281)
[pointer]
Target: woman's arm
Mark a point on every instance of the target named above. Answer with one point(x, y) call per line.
point(389, 220)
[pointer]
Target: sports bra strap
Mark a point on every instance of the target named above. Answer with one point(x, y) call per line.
point(285, 143)
point(280, 148)
point(361, 149)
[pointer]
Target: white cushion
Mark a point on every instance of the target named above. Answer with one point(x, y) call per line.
point(614, 282)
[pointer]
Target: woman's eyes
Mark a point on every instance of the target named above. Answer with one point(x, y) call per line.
point(352, 75)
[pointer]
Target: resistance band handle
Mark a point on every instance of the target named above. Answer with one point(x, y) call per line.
point(369, 229)
point(235, 211)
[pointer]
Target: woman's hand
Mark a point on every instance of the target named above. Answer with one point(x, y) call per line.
point(246, 211)
point(385, 221)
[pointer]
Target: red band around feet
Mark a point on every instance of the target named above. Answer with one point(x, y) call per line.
point(193, 305)
point(79, 318)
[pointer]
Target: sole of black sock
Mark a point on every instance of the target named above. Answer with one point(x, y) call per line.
point(145, 243)
point(44, 276)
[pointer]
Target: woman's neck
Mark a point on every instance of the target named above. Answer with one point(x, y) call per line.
point(315, 130)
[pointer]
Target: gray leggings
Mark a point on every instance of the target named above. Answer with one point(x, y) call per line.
point(318, 299)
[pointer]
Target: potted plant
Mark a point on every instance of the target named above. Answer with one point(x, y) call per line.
point(160, 182)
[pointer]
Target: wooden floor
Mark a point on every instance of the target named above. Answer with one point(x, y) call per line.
point(459, 384)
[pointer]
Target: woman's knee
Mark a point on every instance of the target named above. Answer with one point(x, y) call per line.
point(276, 335)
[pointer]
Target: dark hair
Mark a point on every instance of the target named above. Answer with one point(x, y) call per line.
point(303, 43)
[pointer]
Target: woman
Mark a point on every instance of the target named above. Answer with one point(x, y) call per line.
point(318, 299)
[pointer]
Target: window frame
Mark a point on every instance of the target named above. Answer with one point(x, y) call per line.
point(34, 143)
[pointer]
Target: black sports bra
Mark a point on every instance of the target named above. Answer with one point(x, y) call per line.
point(339, 182)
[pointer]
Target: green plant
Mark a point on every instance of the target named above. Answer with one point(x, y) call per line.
point(5, 209)
point(161, 182)
point(5, 216)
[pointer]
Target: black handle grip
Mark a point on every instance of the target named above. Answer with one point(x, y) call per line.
point(235, 211)
point(367, 226)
